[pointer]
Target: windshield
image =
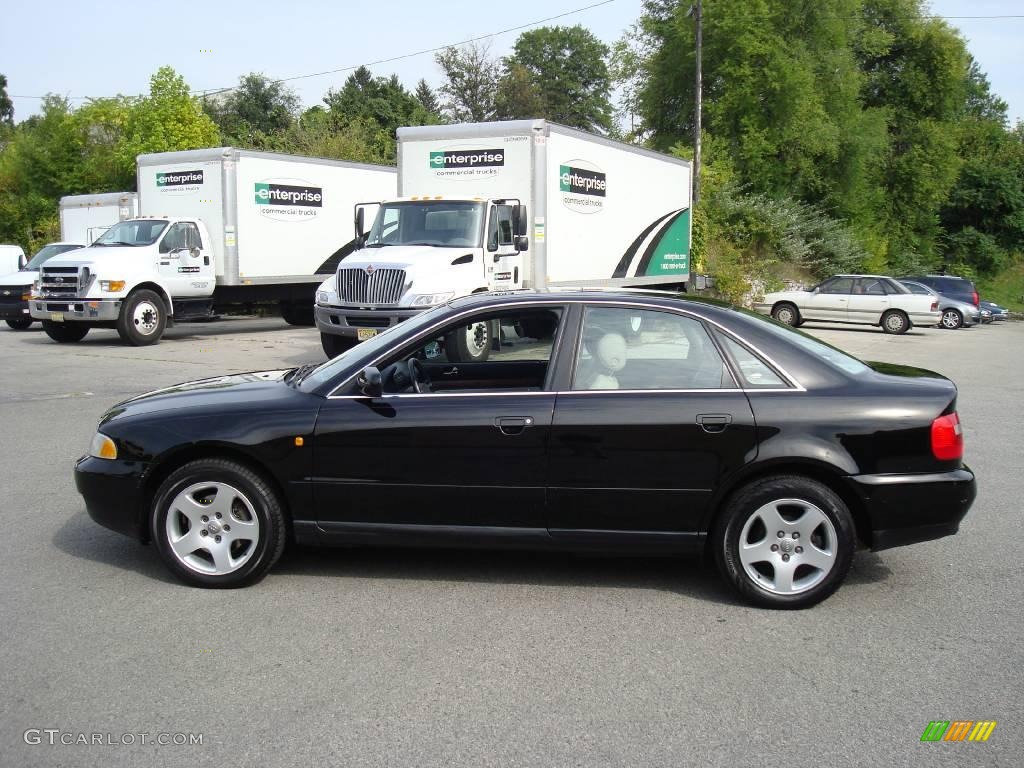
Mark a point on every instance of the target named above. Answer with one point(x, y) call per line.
point(367, 350)
point(443, 223)
point(47, 252)
point(826, 352)
point(135, 233)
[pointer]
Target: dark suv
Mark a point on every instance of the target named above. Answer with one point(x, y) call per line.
point(955, 287)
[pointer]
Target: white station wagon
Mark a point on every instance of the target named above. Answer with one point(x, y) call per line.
point(863, 299)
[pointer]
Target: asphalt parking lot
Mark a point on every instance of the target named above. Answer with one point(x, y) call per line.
point(452, 658)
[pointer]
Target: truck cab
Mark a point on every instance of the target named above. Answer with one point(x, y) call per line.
point(420, 252)
point(137, 275)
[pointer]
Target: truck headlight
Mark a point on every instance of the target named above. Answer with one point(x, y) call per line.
point(103, 447)
point(35, 291)
point(112, 286)
point(323, 297)
point(430, 299)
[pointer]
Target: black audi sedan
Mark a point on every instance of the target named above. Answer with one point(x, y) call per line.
point(601, 421)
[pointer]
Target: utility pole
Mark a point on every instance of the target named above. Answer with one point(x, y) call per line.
point(698, 17)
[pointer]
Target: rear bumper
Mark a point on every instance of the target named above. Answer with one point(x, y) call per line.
point(113, 493)
point(74, 310)
point(906, 509)
point(343, 321)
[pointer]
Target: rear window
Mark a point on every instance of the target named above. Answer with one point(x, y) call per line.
point(956, 286)
point(833, 356)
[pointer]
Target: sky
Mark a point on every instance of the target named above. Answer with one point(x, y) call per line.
point(87, 53)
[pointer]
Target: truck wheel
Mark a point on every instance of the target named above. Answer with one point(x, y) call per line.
point(142, 320)
point(335, 345)
point(469, 344)
point(21, 324)
point(894, 321)
point(298, 314)
point(63, 333)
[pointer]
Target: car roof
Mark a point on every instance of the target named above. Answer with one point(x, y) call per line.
point(597, 295)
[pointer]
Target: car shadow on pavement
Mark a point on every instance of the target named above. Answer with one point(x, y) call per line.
point(915, 331)
point(81, 537)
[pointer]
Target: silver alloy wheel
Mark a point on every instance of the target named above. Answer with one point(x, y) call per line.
point(146, 317)
point(477, 338)
point(951, 319)
point(212, 528)
point(794, 547)
point(895, 322)
point(785, 315)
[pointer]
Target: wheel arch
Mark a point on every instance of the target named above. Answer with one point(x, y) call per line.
point(166, 464)
point(828, 475)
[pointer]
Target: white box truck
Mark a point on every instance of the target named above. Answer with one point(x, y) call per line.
point(507, 205)
point(216, 228)
point(83, 218)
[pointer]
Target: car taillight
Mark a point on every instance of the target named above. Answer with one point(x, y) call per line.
point(975, 299)
point(947, 438)
point(935, 306)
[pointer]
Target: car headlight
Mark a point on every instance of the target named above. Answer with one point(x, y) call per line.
point(112, 286)
point(430, 299)
point(103, 447)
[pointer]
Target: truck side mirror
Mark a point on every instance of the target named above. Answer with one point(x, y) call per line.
point(522, 243)
point(519, 221)
point(369, 382)
point(359, 225)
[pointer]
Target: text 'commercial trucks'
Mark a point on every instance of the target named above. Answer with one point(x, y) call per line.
point(502, 206)
point(217, 228)
point(83, 218)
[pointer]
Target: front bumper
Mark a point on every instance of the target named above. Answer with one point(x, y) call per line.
point(14, 310)
point(76, 310)
point(905, 509)
point(346, 321)
point(113, 493)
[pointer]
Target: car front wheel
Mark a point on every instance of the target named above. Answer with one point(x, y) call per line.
point(217, 524)
point(952, 319)
point(786, 313)
point(785, 542)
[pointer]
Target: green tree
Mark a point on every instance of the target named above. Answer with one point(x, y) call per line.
point(568, 68)
point(517, 97)
point(6, 105)
point(427, 98)
point(470, 83)
point(257, 108)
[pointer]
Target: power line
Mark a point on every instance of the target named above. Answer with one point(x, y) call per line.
point(349, 68)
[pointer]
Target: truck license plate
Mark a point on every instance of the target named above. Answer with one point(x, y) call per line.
point(365, 333)
point(57, 317)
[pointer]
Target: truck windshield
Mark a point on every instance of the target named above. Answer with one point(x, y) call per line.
point(47, 252)
point(134, 233)
point(443, 223)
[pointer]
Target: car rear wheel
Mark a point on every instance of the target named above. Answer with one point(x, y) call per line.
point(20, 324)
point(786, 313)
point(217, 524)
point(785, 542)
point(335, 345)
point(952, 319)
point(65, 333)
point(895, 321)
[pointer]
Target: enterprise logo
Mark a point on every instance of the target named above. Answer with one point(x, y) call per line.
point(179, 178)
point(467, 158)
point(581, 181)
point(286, 194)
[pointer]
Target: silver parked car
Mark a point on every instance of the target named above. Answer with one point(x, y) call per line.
point(955, 313)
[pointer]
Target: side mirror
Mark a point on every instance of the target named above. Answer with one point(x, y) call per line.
point(369, 382)
point(522, 243)
point(359, 223)
point(194, 252)
point(520, 219)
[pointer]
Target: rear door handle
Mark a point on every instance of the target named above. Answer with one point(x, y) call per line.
point(714, 422)
point(513, 425)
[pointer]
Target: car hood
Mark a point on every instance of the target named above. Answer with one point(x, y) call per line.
point(21, 278)
point(234, 392)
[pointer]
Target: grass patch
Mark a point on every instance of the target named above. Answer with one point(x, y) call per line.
point(1005, 288)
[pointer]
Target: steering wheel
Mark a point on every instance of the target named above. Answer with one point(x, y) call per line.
point(418, 374)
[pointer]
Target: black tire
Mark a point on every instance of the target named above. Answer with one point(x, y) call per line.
point(335, 345)
point(298, 314)
point(143, 319)
point(20, 324)
point(64, 333)
point(895, 321)
point(749, 502)
point(460, 349)
point(267, 510)
point(951, 319)
point(787, 313)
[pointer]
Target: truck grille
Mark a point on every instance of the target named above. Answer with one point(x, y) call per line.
point(58, 282)
point(381, 286)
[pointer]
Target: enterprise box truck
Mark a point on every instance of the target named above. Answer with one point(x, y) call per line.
point(502, 206)
point(216, 228)
point(83, 218)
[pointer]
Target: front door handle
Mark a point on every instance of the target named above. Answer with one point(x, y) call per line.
point(714, 422)
point(451, 371)
point(513, 425)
